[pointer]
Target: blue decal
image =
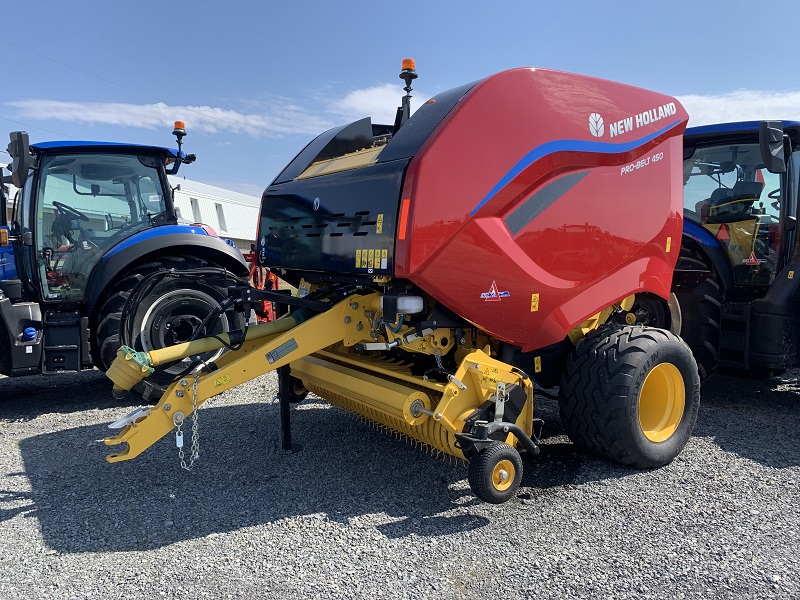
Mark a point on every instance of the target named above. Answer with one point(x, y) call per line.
point(567, 146)
point(154, 232)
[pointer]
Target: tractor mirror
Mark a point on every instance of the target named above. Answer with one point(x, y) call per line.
point(770, 142)
point(19, 149)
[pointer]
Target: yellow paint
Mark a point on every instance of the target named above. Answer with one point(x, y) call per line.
point(662, 402)
point(503, 475)
point(537, 364)
point(669, 243)
point(379, 224)
point(321, 331)
point(220, 381)
point(534, 302)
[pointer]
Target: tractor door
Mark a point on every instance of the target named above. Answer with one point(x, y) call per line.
point(730, 192)
point(86, 204)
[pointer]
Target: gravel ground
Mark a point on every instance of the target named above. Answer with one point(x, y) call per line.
point(358, 514)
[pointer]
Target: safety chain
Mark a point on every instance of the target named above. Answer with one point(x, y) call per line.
point(195, 454)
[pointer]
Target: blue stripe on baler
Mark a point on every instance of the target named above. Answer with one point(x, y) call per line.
point(567, 146)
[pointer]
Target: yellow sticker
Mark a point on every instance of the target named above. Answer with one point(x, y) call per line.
point(669, 243)
point(537, 364)
point(384, 259)
point(791, 274)
point(534, 302)
point(371, 259)
point(358, 259)
point(220, 381)
point(379, 224)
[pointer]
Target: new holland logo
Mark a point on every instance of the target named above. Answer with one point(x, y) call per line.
point(494, 294)
point(596, 125)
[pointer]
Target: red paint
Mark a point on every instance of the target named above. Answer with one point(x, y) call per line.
point(599, 242)
point(403, 223)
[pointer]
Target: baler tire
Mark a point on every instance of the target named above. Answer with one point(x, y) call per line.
point(700, 327)
point(108, 334)
point(610, 406)
point(485, 473)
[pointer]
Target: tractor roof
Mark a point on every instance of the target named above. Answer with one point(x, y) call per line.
point(87, 146)
point(733, 128)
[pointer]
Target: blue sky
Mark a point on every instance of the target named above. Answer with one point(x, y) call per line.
point(255, 81)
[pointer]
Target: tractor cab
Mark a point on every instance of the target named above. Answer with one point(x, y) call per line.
point(736, 281)
point(77, 201)
point(743, 200)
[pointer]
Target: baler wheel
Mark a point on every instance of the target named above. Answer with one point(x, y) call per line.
point(495, 473)
point(630, 394)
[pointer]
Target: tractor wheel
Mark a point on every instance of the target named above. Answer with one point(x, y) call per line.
point(630, 394)
point(495, 473)
point(166, 316)
point(700, 312)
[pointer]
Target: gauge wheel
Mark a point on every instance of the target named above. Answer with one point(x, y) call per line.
point(495, 473)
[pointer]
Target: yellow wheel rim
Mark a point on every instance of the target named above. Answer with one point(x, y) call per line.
point(503, 475)
point(661, 402)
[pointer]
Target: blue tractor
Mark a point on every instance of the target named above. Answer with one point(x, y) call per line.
point(736, 287)
point(90, 221)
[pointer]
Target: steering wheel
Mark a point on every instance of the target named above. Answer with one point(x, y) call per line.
point(68, 210)
point(775, 195)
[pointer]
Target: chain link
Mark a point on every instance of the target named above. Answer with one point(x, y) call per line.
point(195, 437)
point(438, 357)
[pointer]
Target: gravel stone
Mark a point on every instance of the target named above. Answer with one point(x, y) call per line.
point(359, 514)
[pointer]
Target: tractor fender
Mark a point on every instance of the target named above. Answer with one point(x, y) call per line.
point(713, 250)
point(148, 245)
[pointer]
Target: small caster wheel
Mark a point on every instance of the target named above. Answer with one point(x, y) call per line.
point(297, 391)
point(495, 473)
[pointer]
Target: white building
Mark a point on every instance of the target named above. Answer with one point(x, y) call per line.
point(232, 215)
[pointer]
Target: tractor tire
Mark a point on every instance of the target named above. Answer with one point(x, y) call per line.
point(165, 317)
point(700, 326)
point(495, 473)
point(630, 394)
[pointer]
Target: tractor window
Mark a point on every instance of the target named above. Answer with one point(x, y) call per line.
point(728, 191)
point(85, 204)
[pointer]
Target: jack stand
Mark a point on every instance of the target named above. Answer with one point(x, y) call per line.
point(284, 397)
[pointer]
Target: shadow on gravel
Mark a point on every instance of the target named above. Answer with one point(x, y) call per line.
point(754, 419)
point(346, 469)
point(25, 398)
point(560, 463)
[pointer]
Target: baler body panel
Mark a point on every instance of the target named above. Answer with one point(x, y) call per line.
point(516, 202)
point(325, 223)
point(336, 222)
point(526, 205)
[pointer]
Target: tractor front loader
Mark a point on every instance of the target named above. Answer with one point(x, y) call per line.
point(452, 265)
